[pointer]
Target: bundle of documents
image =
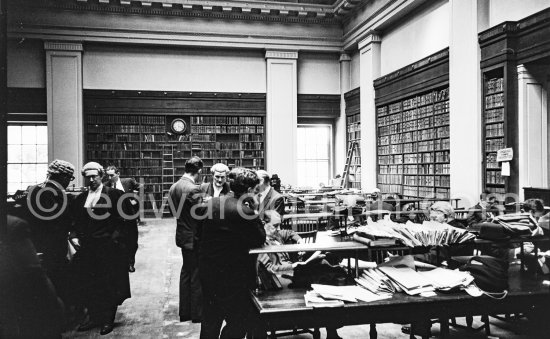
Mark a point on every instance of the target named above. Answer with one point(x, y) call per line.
point(331, 296)
point(429, 233)
point(376, 282)
point(409, 280)
point(445, 279)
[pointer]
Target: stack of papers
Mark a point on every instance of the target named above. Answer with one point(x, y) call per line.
point(376, 282)
point(429, 233)
point(408, 280)
point(445, 279)
point(313, 299)
point(331, 296)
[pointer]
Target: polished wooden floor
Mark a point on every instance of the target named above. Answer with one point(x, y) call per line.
point(152, 312)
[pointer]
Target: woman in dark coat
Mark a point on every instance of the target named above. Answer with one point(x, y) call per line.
point(101, 259)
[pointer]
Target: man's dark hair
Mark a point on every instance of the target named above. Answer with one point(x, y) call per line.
point(193, 165)
point(241, 179)
point(536, 205)
point(112, 168)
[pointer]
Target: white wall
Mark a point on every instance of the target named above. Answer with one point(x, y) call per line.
point(425, 33)
point(149, 68)
point(355, 70)
point(513, 10)
point(318, 73)
point(26, 64)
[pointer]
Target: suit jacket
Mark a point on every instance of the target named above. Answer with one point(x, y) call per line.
point(130, 185)
point(208, 189)
point(229, 230)
point(273, 201)
point(184, 195)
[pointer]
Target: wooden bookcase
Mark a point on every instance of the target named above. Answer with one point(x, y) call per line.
point(142, 145)
point(412, 124)
point(353, 134)
point(413, 146)
point(493, 130)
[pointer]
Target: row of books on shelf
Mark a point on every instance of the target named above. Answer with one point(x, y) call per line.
point(494, 100)
point(390, 159)
point(226, 129)
point(391, 179)
point(353, 127)
point(494, 85)
point(408, 148)
point(350, 119)
point(251, 137)
point(498, 190)
point(135, 171)
point(153, 138)
point(414, 169)
point(494, 177)
point(109, 137)
point(426, 180)
point(95, 128)
point(114, 154)
point(494, 130)
point(494, 115)
point(416, 101)
point(354, 135)
point(131, 163)
point(252, 145)
point(113, 119)
point(493, 145)
point(416, 133)
point(426, 112)
point(225, 120)
point(491, 160)
point(113, 146)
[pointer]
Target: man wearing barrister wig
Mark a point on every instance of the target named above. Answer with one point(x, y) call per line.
point(101, 258)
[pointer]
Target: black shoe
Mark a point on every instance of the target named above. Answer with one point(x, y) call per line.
point(87, 325)
point(182, 319)
point(406, 329)
point(106, 329)
point(131, 268)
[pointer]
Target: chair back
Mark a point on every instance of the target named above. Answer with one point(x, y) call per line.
point(306, 229)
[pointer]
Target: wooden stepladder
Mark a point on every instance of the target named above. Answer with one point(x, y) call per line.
point(345, 176)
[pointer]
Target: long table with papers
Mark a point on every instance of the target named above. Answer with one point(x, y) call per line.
point(286, 309)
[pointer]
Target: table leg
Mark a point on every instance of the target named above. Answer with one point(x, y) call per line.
point(373, 333)
point(316, 333)
point(444, 327)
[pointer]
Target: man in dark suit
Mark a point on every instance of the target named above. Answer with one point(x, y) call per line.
point(230, 228)
point(102, 264)
point(184, 195)
point(219, 185)
point(127, 185)
point(267, 198)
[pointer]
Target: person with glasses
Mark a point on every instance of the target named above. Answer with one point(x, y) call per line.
point(101, 261)
point(127, 185)
point(48, 214)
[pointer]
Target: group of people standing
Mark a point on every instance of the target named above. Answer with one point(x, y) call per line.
point(100, 225)
point(217, 224)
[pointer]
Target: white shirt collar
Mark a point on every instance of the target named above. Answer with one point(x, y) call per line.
point(264, 193)
point(189, 177)
point(93, 197)
point(217, 190)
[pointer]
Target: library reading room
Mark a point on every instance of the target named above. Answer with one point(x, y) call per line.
point(300, 169)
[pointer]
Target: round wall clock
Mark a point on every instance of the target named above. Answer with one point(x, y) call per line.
point(178, 126)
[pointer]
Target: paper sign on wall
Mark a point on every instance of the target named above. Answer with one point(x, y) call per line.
point(505, 154)
point(505, 169)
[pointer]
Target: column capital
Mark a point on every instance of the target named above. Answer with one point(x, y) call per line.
point(274, 54)
point(344, 57)
point(371, 38)
point(63, 46)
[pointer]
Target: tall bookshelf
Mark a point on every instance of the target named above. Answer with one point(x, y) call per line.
point(413, 145)
point(493, 130)
point(353, 134)
point(353, 123)
point(142, 146)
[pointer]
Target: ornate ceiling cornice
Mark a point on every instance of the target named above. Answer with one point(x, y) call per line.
point(257, 10)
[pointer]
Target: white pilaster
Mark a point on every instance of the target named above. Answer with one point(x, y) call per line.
point(64, 103)
point(533, 132)
point(340, 134)
point(282, 115)
point(465, 102)
point(369, 61)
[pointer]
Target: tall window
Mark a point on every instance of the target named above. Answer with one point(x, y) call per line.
point(314, 150)
point(27, 155)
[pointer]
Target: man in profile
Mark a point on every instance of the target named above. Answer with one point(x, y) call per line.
point(219, 185)
point(184, 195)
point(230, 228)
point(127, 185)
point(267, 198)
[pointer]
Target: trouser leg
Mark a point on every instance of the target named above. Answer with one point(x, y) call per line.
point(190, 287)
point(132, 242)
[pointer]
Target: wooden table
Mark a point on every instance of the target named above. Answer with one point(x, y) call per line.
point(286, 309)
